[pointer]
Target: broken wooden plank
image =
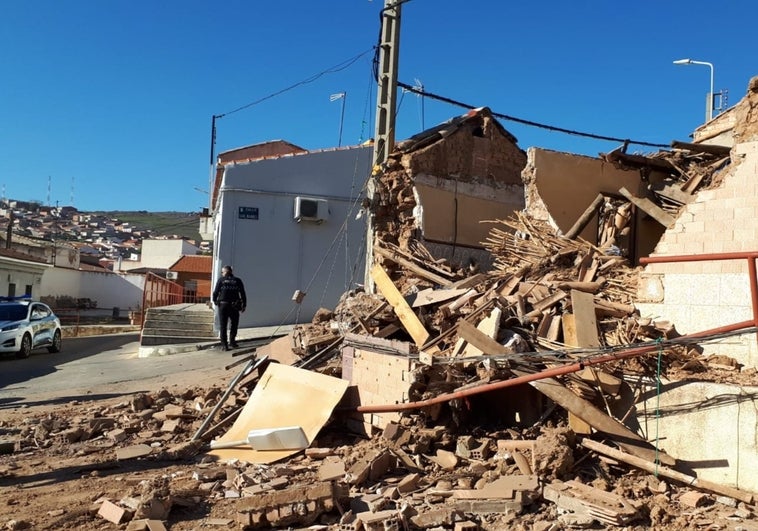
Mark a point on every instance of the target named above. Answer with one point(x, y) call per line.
point(469, 282)
point(671, 191)
point(410, 322)
point(488, 326)
point(583, 308)
point(659, 470)
point(510, 285)
point(650, 208)
point(410, 266)
point(587, 287)
point(711, 149)
point(387, 330)
point(585, 218)
point(434, 296)
point(612, 428)
point(480, 340)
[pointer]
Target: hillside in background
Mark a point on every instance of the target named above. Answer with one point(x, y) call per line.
point(161, 223)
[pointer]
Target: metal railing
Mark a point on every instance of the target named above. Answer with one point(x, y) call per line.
point(160, 291)
point(749, 256)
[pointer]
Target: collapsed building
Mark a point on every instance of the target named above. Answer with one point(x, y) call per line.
point(518, 365)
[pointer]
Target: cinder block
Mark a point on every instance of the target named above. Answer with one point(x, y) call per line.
point(112, 512)
point(442, 517)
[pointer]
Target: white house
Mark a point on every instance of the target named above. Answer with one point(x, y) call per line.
point(160, 254)
point(288, 222)
point(20, 274)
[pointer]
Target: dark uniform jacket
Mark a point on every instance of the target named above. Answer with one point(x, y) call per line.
point(230, 289)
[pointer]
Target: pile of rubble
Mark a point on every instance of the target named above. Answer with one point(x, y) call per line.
point(415, 474)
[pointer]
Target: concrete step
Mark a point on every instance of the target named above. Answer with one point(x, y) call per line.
point(179, 312)
point(177, 332)
point(180, 317)
point(179, 325)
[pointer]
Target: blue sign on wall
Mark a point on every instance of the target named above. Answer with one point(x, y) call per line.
point(248, 213)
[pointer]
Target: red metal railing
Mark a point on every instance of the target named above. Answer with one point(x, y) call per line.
point(749, 256)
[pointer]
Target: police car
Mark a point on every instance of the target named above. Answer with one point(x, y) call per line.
point(27, 325)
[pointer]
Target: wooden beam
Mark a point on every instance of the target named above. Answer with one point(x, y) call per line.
point(583, 308)
point(410, 266)
point(612, 428)
point(650, 208)
point(480, 340)
point(585, 218)
point(641, 161)
point(711, 149)
point(410, 322)
point(669, 473)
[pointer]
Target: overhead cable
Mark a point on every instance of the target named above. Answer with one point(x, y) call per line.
point(531, 123)
point(331, 70)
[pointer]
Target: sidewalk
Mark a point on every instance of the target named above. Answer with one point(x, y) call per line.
point(246, 337)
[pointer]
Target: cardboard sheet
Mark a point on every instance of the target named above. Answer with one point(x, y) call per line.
point(285, 396)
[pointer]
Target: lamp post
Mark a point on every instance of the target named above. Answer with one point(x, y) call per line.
point(709, 103)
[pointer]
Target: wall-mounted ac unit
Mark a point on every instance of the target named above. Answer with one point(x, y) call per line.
point(172, 275)
point(311, 209)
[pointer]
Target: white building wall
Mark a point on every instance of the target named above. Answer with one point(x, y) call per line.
point(110, 290)
point(160, 254)
point(21, 274)
point(275, 255)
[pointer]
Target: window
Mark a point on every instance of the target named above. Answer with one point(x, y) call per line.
point(28, 290)
point(11, 290)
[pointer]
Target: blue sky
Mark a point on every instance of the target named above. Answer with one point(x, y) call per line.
point(112, 101)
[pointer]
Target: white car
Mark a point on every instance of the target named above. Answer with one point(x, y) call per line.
point(26, 326)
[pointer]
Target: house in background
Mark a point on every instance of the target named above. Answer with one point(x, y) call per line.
point(159, 254)
point(193, 273)
point(20, 274)
point(288, 222)
point(58, 253)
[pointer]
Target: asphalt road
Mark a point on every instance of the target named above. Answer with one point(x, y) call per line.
point(95, 367)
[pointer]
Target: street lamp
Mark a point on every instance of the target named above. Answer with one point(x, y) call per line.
point(709, 103)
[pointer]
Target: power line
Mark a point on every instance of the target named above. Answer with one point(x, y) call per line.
point(424, 92)
point(331, 70)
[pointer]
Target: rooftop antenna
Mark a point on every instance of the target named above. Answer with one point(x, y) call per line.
point(340, 96)
point(72, 191)
point(49, 187)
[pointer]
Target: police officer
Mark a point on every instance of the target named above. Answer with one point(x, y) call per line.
point(230, 299)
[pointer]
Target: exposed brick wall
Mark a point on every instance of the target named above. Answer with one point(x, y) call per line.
point(703, 295)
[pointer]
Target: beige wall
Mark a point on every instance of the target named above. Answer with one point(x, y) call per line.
point(704, 295)
point(560, 186)
point(717, 437)
point(455, 217)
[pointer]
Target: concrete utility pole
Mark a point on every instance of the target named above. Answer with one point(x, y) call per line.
point(386, 105)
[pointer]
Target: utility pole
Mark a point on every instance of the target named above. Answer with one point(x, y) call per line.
point(386, 105)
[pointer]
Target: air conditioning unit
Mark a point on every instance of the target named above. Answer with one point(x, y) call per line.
point(311, 209)
point(172, 275)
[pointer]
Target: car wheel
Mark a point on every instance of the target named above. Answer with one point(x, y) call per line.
point(56, 346)
point(26, 347)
